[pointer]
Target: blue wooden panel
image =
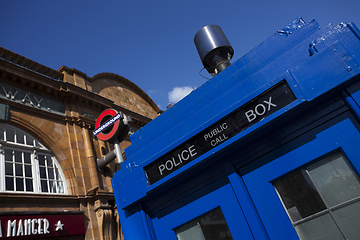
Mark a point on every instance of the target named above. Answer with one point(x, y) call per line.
point(130, 186)
point(132, 226)
point(352, 43)
point(343, 135)
point(355, 93)
point(325, 70)
point(246, 204)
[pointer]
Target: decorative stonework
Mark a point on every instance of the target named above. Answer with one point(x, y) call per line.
point(25, 87)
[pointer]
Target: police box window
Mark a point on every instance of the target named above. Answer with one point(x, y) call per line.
point(323, 199)
point(211, 226)
point(26, 165)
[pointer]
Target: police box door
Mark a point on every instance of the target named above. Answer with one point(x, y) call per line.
point(310, 188)
point(206, 210)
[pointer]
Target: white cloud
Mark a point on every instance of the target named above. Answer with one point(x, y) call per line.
point(179, 93)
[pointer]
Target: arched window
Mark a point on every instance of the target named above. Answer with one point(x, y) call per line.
point(26, 165)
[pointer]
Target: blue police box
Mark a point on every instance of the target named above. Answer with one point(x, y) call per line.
point(269, 148)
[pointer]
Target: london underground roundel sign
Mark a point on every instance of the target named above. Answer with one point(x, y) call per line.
point(107, 125)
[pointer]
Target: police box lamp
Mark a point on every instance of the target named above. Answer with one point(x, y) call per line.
point(112, 126)
point(214, 49)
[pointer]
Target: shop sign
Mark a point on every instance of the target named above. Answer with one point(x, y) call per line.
point(38, 226)
point(27, 98)
point(242, 118)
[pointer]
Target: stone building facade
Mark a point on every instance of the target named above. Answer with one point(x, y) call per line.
point(50, 186)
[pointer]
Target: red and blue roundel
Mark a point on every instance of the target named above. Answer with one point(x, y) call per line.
point(107, 125)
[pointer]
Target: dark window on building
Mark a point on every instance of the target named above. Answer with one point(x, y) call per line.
point(323, 199)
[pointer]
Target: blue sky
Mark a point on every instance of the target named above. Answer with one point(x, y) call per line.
point(149, 42)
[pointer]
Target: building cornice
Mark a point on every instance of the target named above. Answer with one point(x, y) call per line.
point(21, 72)
point(67, 92)
point(19, 197)
point(28, 64)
